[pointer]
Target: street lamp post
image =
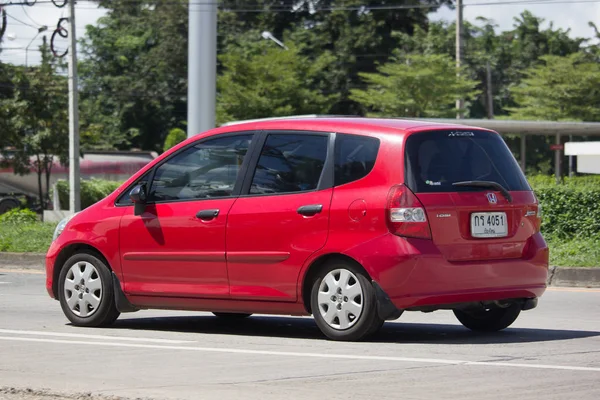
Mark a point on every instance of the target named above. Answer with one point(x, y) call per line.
point(269, 36)
point(40, 30)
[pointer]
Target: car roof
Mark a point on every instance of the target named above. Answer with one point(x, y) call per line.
point(359, 125)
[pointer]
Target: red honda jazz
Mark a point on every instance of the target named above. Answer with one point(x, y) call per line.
point(352, 220)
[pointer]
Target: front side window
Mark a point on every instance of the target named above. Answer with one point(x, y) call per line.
point(290, 163)
point(205, 170)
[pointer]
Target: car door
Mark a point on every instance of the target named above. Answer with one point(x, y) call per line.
point(176, 247)
point(281, 217)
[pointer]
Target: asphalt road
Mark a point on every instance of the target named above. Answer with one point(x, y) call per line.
point(552, 352)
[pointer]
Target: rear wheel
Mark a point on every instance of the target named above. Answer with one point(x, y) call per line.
point(490, 320)
point(8, 204)
point(343, 303)
point(86, 291)
point(231, 315)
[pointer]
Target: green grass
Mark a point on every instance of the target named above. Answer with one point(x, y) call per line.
point(577, 252)
point(24, 238)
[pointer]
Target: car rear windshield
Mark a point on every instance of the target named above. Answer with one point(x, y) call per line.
point(437, 159)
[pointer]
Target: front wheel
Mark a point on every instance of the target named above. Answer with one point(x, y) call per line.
point(343, 303)
point(86, 291)
point(490, 320)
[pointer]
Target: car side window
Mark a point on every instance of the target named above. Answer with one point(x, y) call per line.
point(290, 163)
point(206, 170)
point(354, 157)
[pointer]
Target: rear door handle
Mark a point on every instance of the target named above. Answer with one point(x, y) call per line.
point(310, 210)
point(207, 215)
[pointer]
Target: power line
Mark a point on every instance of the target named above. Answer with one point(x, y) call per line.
point(21, 22)
point(362, 8)
point(31, 19)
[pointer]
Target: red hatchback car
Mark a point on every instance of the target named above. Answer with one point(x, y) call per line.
point(352, 220)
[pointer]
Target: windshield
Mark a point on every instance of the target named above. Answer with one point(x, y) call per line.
point(437, 159)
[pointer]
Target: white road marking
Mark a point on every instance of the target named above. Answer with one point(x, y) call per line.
point(101, 337)
point(4, 283)
point(308, 355)
point(23, 271)
point(573, 289)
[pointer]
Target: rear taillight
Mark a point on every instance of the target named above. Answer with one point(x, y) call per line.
point(406, 215)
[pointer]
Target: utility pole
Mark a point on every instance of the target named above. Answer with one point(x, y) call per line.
point(571, 161)
point(202, 66)
point(460, 103)
point(490, 97)
point(74, 184)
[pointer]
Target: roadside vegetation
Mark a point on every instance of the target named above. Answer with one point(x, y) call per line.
point(22, 232)
point(570, 215)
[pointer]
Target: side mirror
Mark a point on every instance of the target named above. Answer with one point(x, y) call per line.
point(138, 197)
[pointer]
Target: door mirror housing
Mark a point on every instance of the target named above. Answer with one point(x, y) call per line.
point(138, 197)
point(138, 194)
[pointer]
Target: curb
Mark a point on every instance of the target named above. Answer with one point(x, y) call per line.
point(574, 276)
point(557, 276)
point(22, 260)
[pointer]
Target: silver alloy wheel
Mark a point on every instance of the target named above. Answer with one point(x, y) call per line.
point(83, 289)
point(340, 299)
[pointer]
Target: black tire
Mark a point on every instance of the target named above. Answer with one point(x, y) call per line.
point(106, 312)
point(231, 315)
point(367, 323)
point(492, 320)
point(377, 325)
point(8, 204)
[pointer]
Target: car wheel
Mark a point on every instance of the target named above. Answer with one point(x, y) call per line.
point(491, 320)
point(7, 205)
point(231, 315)
point(86, 291)
point(343, 303)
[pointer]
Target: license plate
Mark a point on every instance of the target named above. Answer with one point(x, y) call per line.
point(489, 224)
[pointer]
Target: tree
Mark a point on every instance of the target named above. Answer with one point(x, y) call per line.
point(262, 80)
point(134, 75)
point(562, 88)
point(36, 121)
point(415, 86)
point(174, 137)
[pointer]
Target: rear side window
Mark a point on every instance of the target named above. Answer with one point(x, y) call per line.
point(290, 163)
point(435, 160)
point(354, 157)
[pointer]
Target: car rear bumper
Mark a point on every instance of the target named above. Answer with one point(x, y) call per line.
point(415, 275)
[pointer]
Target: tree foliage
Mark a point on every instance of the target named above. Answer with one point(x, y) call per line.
point(345, 57)
point(415, 86)
point(174, 137)
point(35, 120)
point(134, 76)
point(262, 80)
point(561, 88)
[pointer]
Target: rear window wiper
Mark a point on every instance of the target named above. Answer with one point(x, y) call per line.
point(486, 184)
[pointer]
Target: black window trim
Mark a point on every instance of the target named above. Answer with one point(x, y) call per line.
point(238, 183)
point(325, 180)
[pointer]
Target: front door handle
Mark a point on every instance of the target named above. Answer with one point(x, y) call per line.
point(310, 210)
point(207, 215)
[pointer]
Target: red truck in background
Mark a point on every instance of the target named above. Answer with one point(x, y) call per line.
point(110, 165)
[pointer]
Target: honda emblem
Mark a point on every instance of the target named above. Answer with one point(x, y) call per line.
point(492, 198)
